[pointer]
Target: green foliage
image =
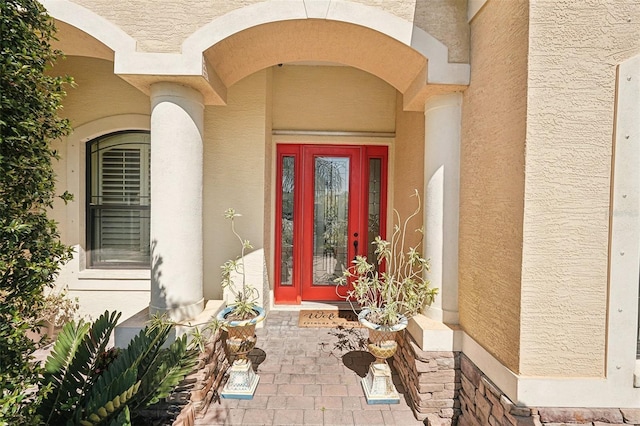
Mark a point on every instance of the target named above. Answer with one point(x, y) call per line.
point(123, 419)
point(246, 296)
point(70, 368)
point(30, 250)
point(395, 284)
point(203, 334)
point(79, 389)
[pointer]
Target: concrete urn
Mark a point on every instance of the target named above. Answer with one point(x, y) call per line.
point(378, 384)
point(241, 339)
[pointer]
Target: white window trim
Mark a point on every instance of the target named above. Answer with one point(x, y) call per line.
point(624, 255)
point(107, 182)
point(74, 274)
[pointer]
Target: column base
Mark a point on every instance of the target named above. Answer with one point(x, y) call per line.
point(242, 382)
point(130, 327)
point(378, 385)
point(181, 313)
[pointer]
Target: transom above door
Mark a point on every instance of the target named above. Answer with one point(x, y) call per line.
point(330, 204)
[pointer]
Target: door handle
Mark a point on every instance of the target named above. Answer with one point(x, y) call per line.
point(355, 246)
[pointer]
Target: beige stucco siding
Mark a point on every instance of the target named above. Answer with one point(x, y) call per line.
point(408, 168)
point(234, 163)
point(164, 29)
point(574, 51)
point(97, 92)
point(161, 29)
point(492, 180)
point(446, 20)
point(331, 98)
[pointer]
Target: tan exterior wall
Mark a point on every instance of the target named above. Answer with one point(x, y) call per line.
point(269, 178)
point(331, 98)
point(164, 29)
point(98, 92)
point(492, 180)
point(234, 175)
point(407, 173)
point(574, 51)
point(446, 20)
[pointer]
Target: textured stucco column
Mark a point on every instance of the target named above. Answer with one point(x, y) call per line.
point(177, 116)
point(442, 188)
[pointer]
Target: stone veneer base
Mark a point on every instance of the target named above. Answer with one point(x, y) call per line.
point(446, 388)
point(482, 403)
point(431, 380)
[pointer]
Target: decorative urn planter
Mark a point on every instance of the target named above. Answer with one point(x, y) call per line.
point(378, 384)
point(241, 339)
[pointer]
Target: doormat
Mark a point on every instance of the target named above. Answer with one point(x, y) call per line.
point(328, 318)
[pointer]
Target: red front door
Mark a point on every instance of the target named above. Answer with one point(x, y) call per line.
point(331, 202)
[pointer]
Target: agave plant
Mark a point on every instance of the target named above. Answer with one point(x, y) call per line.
point(78, 390)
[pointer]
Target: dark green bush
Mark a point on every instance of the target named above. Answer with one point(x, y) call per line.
point(30, 249)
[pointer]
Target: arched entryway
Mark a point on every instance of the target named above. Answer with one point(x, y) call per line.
point(221, 54)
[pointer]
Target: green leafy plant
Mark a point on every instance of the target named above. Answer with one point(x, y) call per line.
point(395, 284)
point(30, 248)
point(245, 295)
point(86, 384)
point(203, 334)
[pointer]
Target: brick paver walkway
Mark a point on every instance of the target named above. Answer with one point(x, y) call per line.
point(308, 376)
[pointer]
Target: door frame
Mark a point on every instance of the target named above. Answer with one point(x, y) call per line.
point(301, 152)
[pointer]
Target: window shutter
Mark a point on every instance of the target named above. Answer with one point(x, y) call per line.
point(121, 177)
point(123, 231)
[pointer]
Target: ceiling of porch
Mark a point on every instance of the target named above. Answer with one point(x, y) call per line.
point(315, 40)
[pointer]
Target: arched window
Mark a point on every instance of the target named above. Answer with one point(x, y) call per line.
point(118, 185)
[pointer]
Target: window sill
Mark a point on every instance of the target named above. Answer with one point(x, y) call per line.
point(113, 280)
point(115, 274)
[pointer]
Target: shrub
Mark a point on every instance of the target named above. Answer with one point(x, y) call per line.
point(30, 250)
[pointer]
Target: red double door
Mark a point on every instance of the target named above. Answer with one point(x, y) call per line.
point(331, 203)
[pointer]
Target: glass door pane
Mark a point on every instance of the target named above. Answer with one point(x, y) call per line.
point(330, 221)
point(373, 213)
point(286, 221)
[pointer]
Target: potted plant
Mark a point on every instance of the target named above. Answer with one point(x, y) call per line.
point(239, 319)
point(56, 310)
point(389, 291)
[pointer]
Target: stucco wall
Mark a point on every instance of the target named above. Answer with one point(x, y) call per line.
point(446, 20)
point(574, 51)
point(234, 163)
point(492, 180)
point(164, 29)
point(408, 168)
point(331, 98)
point(161, 29)
point(98, 92)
